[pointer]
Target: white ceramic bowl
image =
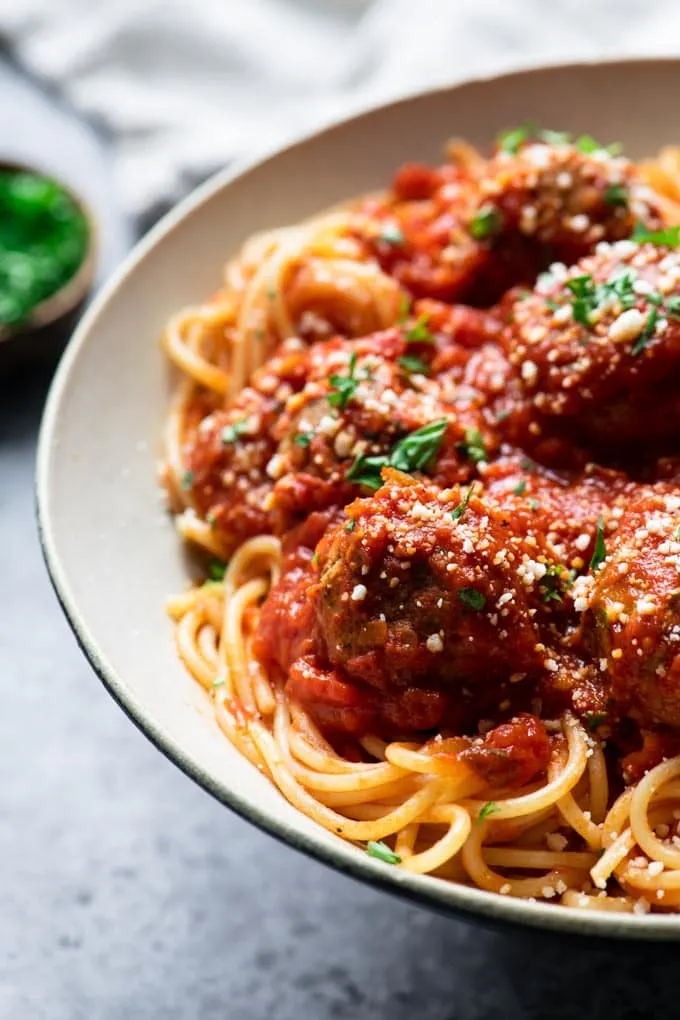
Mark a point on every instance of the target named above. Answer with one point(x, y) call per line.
point(110, 547)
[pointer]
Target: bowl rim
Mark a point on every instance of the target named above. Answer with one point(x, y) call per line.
point(468, 903)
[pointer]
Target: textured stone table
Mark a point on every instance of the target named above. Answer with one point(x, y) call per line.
point(126, 892)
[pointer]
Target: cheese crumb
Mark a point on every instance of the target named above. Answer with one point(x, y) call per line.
point(359, 593)
point(434, 643)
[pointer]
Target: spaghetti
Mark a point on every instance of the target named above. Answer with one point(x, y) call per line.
point(374, 354)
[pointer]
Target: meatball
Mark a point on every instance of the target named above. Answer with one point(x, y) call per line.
point(597, 346)
point(631, 606)
point(228, 452)
point(562, 199)
point(433, 587)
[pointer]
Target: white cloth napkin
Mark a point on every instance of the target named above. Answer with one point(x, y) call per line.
point(185, 86)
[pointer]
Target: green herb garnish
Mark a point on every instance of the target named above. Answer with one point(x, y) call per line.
point(552, 583)
point(382, 852)
point(344, 386)
point(350, 526)
point(473, 446)
point(415, 451)
point(216, 570)
point(512, 140)
point(303, 438)
point(647, 330)
point(472, 598)
point(459, 510)
point(594, 719)
point(391, 234)
point(587, 144)
point(487, 222)
point(600, 551)
point(490, 808)
point(555, 137)
point(404, 307)
point(670, 237)
point(231, 433)
point(413, 365)
point(616, 195)
point(367, 471)
point(672, 307)
point(419, 333)
point(520, 488)
point(533, 504)
point(187, 480)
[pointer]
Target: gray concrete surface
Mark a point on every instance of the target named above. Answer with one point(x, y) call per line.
point(126, 893)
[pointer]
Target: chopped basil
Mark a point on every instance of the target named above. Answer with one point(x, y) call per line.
point(216, 570)
point(413, 365)
point(231, 433)
point(382, 852)
point(600, 551)
point(552, 583)
point(670, 237)
point(187, 480)
point(303, 438)
point(419, 333)
point(555, 137)
point(672, 307)
point(587, 295)
point(344, 386)
point(587, 144)
point(391, 234)
point(472, 598)
point(584, 300)
point(490, 808)
point(459, 510)
point(647, 330)
point(487, 222)
point(473, 446)
point(350, 526)
point(367, 471)
point(520, 488)
point(616, 195)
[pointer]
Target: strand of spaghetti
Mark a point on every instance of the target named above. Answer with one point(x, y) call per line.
point(187, 647)
point(406, 840)
point(640, 878)
point(173, 440)
point(262, 688)
point(614, 904)
point(617, 818)
point(233, 726)
point(392, 822)
point(188, 360)
point(232, 648)
point(334, 782)
point(265, 548)
point(207, 638)
point(549, 793)
point(394, 791)
point(615, 853)
point(544, 886)
point(321, 760)
point(525, 857)
point(207, 595)
point(599, 783)
point(193, 529)
point(643, 793)
point(580, 823)
point(444, 848)
point(408, 757)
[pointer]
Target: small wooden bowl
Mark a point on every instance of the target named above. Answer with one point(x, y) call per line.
point(42, 337)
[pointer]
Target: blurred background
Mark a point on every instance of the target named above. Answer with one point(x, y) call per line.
point(125, 891)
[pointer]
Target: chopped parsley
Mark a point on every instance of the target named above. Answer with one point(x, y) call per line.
point(473, 446)
point(533, 504)
point(616, 195)
point(211, 519)
point(303, 438)
point(670, 237)
point(487, 222)
point(527, 464)
point(520, 488)
point(220, 682)
point(187, 480)
point(555, 137)
point(459, 510)
point(413, 365)
point(552, 583)
point(584, 299)
point(472, 598)
point(416, 450)
point(419, 333)
point(216, 570)
point(594, 719)
point(600, 551)
point(382, 852)
point(231, 433)
point(344, 386)
point(587, 296)
point(490, 808)
point(412, 453)
point(648, 328)
point(350, 526)
point(391, 234)
point(672, 307)
point(512, 140)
